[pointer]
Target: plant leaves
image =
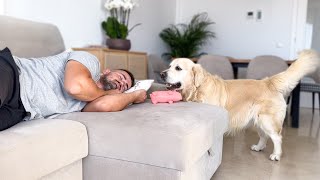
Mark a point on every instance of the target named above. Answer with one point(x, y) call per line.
point(114, 29)
point(123, 31)
point(186, 40)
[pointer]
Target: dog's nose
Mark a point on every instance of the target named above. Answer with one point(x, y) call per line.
point(163, 75)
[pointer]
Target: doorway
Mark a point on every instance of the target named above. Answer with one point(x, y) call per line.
point(305, 26)
point(298, 36)
point(311, 36)
point(313, 23)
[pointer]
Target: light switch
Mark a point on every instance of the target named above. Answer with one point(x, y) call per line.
point(259, 15)
point(250, 15)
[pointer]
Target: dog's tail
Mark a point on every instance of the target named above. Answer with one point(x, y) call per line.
point(307, 62)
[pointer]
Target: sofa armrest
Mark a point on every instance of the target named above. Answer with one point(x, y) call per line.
point(36, 148)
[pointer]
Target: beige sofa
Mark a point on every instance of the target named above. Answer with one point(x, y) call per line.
point(175, 142)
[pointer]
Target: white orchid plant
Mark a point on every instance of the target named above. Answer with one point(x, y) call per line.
point(116, 25)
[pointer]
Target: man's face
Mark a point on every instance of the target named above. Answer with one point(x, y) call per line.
point(115, 79)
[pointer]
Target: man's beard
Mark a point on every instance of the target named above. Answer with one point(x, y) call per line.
point(106, 84)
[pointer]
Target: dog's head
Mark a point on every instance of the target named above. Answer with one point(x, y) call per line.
point(182, 74)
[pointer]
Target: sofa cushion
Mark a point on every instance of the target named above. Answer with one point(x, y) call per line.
point(30, 39)
point(171, 136)
point(39, 147)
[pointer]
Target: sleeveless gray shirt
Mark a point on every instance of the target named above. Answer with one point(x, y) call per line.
point(42, 83)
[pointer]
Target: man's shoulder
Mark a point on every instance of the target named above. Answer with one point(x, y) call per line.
point(88, 60)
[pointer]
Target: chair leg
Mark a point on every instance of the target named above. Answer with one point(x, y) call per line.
point(319, 102)
point(287, 118)
point(311, 123)
point(288, 100)
point(313, 94)
point(319, 115)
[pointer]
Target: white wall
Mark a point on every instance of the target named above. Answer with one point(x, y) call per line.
point(80, 20)
point(242, 38)
point(154, 15)
point(2, 7)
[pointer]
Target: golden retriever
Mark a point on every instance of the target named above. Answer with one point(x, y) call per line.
point(257, 102)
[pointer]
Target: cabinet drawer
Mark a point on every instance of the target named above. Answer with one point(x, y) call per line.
point(115, 61)
point(137, 64)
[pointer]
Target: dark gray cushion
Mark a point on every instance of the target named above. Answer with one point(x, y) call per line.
point(218, 65)
point(265, 66)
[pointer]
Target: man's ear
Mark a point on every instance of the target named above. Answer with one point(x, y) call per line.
point(198, 75)
point(106, 71)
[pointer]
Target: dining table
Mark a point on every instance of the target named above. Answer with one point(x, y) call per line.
point(295, 103)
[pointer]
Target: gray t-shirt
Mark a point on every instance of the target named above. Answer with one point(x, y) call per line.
point(42, 83)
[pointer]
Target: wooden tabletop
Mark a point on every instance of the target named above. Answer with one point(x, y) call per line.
point(241, 61)
point(246, 61)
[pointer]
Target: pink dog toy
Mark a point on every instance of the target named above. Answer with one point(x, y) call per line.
point(165, 96)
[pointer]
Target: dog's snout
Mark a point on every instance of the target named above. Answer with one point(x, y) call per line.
point(163, 75)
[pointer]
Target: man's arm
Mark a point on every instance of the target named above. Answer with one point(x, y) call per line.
point(115, 102)
point(79, 83)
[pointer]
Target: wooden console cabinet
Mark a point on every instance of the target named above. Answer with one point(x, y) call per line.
point(135, 62)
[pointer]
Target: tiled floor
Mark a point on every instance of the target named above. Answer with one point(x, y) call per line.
point(300, 160)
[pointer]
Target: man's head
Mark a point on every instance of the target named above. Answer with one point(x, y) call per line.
point(120, 79)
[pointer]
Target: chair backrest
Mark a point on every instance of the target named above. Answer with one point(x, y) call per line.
point(218, 65)
point(30, 39)
point(315, 76)
point(265, 66)
point(155, 66)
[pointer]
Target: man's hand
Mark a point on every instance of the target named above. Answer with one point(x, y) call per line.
point(141, 96)
point(115, 102)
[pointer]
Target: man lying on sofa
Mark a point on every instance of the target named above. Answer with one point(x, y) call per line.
point(46, 87)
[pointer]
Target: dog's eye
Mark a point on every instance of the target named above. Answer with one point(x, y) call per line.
point(178, 68)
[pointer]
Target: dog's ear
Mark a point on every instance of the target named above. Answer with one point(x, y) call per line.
point(198, 74)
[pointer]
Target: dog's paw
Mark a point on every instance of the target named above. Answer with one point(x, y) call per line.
point(257, 148)
point(275, 157)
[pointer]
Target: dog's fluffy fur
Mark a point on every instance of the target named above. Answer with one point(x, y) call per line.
point(258, 102)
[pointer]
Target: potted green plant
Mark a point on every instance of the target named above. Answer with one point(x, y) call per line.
point(116, 25)
point(185, 40)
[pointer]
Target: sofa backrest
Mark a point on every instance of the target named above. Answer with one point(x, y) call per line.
point(30, 39)
point(155, 66)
